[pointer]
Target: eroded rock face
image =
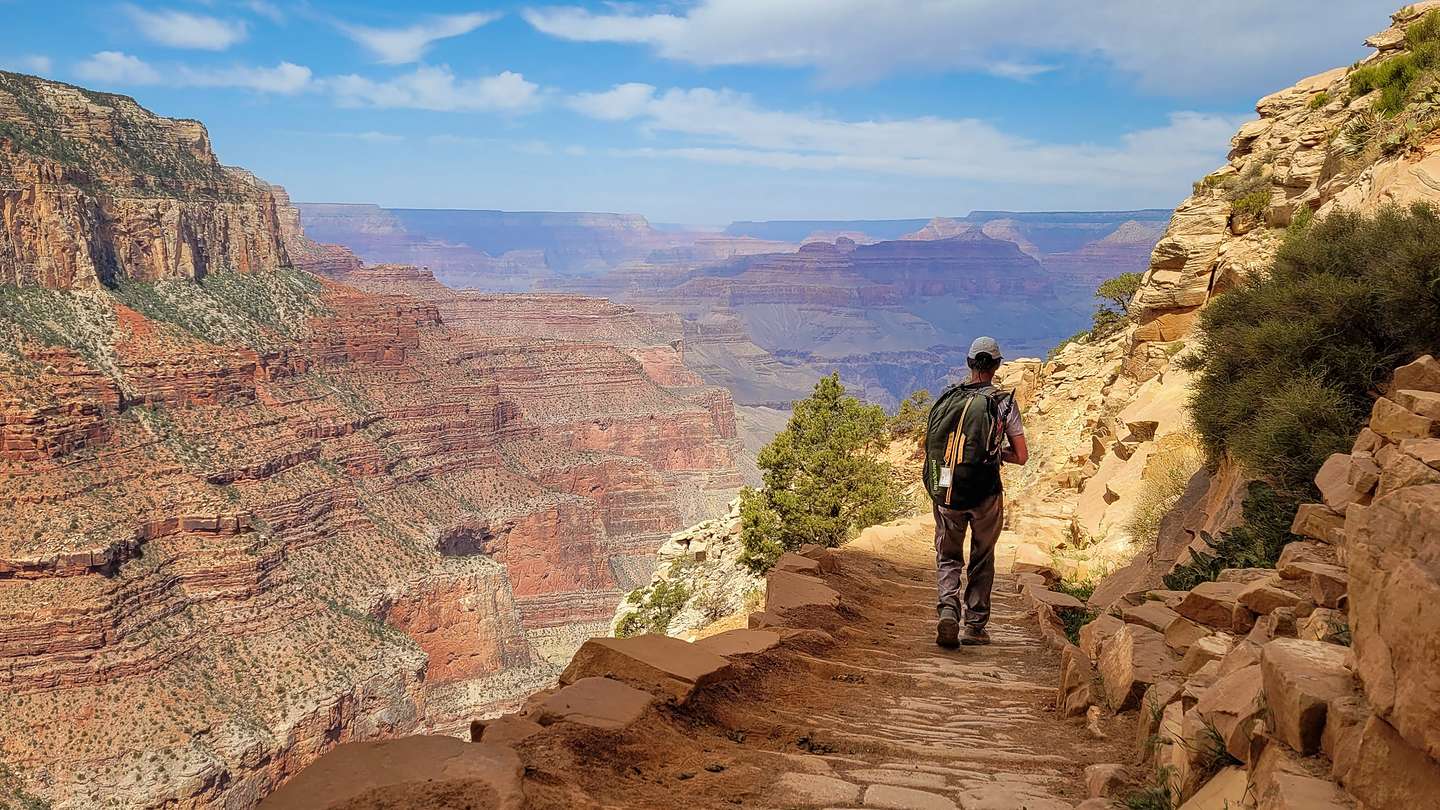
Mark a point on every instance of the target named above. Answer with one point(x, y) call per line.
point(83, 206)
point(321, 514)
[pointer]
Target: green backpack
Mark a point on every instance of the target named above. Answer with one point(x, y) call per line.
point(962, 446)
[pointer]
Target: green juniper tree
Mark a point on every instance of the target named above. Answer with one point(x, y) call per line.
point(823, 479)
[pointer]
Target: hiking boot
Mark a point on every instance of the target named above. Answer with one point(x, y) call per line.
point(974, 636)
point(948, 633)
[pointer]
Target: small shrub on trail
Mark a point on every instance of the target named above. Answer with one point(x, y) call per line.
point(653, 610)
point(1076, 619)
point(1167, 473)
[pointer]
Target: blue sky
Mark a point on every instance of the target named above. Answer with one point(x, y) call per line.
point(709, 110)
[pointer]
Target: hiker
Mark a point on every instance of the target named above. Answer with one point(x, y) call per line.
point(973, 427)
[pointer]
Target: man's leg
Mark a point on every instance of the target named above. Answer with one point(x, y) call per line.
point(949, 572)
point(985, 524)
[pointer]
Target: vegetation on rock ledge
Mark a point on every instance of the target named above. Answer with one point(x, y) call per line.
point(1289, 364)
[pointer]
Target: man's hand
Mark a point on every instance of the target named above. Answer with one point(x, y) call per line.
point(1017, 452)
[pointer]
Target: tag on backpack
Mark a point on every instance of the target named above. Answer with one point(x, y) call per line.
point(947, 475)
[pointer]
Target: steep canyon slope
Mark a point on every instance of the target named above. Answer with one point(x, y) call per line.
point(250, 512)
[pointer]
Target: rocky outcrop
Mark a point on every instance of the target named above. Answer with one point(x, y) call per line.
point(95, 190)
point(1276, 683)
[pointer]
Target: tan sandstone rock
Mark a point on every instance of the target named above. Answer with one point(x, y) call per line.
point(595, 702)
point(1132, 660)
point(786, 592)
point(657, 664)
point(1421, 375)
point(1213, 603)
point(1301, 678)
point(734, 643)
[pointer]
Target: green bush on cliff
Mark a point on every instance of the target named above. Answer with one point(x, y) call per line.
point(1288, 364)
point(1112, 314)
point(652, 608)
point(1394, 77)
point(910, 418)
point(823, 479)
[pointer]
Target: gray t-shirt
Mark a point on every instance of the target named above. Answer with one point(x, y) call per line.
point(1009, 416)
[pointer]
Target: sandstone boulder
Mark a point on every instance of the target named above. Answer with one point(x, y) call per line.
point(1105, 780)
point(1153, 615)
point(1290, 791)
point(1317, 522)
point(1214, 604)
point(1396, 422)
point(1301, 678)
point(1304, 552)
point(797, 564)
point(1207, 649)
point(734, 643)
point(1094, 633)
point(787, 592)
point(1132, 660)
point(1393, 561)
point(1234, 705)
point(1182, 633)
point(1263, 596)
point(595, 702)
point(1056, 601)
point(1425, 451)
point(657, 664)
point(1423, 403)
point(1076, 676)
point(1386, 771)
point(506, 730)
point(1333, 480)
point(352, 773)
point(1421, 375)
point(1224, 791)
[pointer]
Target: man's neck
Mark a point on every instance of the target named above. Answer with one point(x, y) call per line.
point(976, 378)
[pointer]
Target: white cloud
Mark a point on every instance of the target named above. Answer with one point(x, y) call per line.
point(398, 46)
point(116, 68)
point(437, 88)
point(1157, 42)
point(621, 102)
point(29, 63)
point(266, 9)
point(729, 128)
point(369, 136)
point(181, 29)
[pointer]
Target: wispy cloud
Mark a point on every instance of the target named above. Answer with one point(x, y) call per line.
point(856, 41)
point(398, 46)
point(29, 63)
point(729, 128)
point(118, 68)
point(437, 88)
point(182, 29)
point(266, 9)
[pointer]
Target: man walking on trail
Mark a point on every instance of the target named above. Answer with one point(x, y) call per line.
point(973, 427)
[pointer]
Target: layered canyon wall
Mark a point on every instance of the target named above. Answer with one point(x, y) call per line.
point(250, 512)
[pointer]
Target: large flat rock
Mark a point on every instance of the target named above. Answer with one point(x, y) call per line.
point(734, 643)
point(657, 664)
point(786, 592)
point(485, 775)
point(1213, 604)
point(596, 702)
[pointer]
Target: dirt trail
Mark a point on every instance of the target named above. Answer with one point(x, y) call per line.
point(881, 718)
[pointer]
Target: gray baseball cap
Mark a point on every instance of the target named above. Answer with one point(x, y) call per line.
point(985, 345)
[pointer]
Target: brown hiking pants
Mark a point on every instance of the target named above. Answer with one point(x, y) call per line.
point(984, 522)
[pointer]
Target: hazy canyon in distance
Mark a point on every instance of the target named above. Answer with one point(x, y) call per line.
point(767, 307)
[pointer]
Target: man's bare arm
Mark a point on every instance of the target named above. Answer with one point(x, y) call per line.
point(1017, 452)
